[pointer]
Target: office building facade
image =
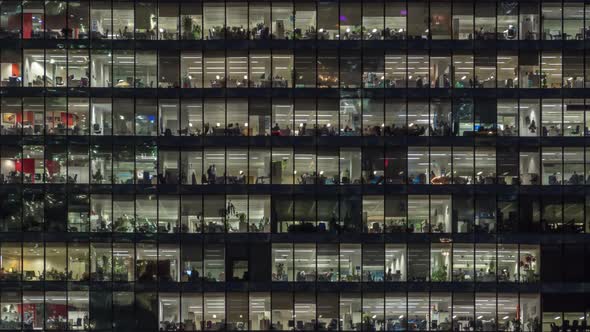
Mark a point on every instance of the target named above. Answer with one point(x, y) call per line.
point(294, 165)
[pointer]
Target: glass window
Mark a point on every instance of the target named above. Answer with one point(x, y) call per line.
point(237, 69)
point(283, 17)
point(236, 16)
point(101, 19)
point(214, 217)
point(259, 21)
point(214, 314)
point(373, 20)
point(327, 69)
point(395, 20)
point(463, 67)
point(305, 262)
point(168, 117)
point(417, 24)
point(10, 301)
point(237, 310)
point(350, 21)
point(485, 165)
point(237, 214)
point(507, 20)
point(146, 113)
point(191, 117)
point(191, 214)
point(396, 311)
point(463, 262)
point(11, 262)
point(551, 15)
point(463, 309)
point(462, 20)
point(168, 65)
point(282, 269)
point(192, 310)
point(146, 66)
point(259, 213)
point(10, 71)
point(327, 19)
point(551, 74)
point(168, 214)
point(440, 20)
point(441, 117)
point(350, 262)
point(529, 263)
point(282, 69)
point(485, 20)
point(78, 20)
point(373, 263)
point(214, 267)
point(328, 117)
point(350, 72)
point(168, 21)
point(34, 68)
point(191, 20)
point(11, 18)
point(214, 70)
point(304, 69)
point(529, 20)
point(485, 263)
point(552, 166)
point(123, 19)
point(259, 117)
point(214, 15)
point(350, 312)
point(507, 262)
point(573, 21)
point(373, 307)
point(419, 311)
point(327, 262)
point(12, 117)
point(305, 16)
point(192, 262)
point(146, 20)
point(101, 259)
point(440, 262)
point(327, 311)
point(123, 68)
point(282, 311)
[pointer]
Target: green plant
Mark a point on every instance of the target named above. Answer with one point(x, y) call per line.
point(440, 274)
point(533, 324)
point(492, 267)
point(368, 323)
point(357, 29)
point(187, 24)
point(516, 325)
point(197, 32)
point(262, 224)
point(119, 267)
point(352, 277)
point(280, 270)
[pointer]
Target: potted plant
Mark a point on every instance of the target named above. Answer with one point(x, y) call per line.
point(196, 31)
point(187, 27)
point(440, 275)
point(533, 324)
point(368, 323)
point(280, 271)
point(527, 266)
point(262, 224)
point(492, 267)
